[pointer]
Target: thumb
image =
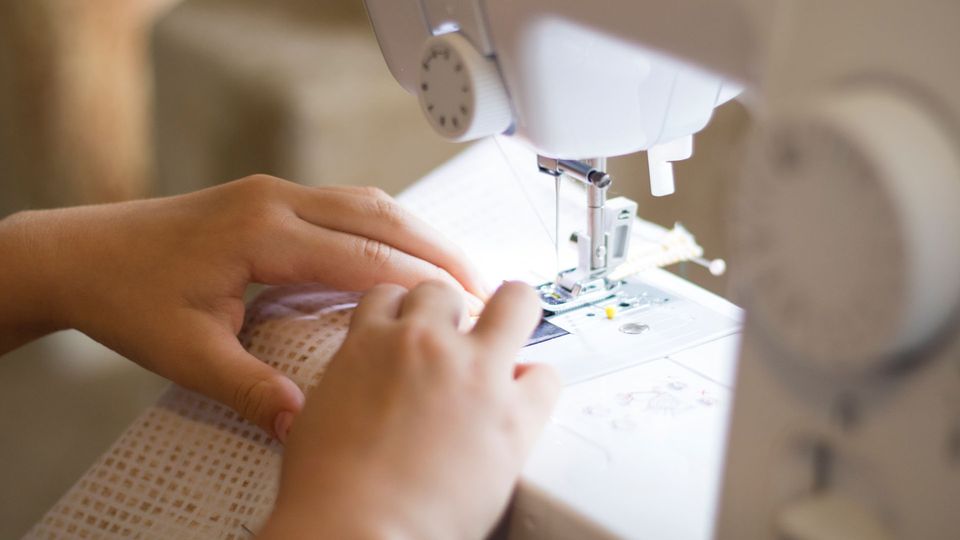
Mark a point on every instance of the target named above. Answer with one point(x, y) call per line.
point(223, 370)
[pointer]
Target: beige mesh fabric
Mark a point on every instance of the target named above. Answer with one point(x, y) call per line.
point(190, 467)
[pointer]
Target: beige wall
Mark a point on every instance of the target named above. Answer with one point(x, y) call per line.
point(74, 101)
point(252, 88)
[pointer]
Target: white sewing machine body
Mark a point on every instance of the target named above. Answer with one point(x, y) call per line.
point(847, 415)
point(575, 85)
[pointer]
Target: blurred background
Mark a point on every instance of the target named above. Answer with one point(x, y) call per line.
point(107, 100)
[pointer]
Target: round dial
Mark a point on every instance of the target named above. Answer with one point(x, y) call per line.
point(460, 90)
point(843, 230)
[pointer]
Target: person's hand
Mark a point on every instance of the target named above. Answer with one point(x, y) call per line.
point(162, 281)
point(417, 429)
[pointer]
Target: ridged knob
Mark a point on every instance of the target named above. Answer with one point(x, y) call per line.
point(460, 90)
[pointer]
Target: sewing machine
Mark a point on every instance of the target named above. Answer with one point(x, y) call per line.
point(846, 421)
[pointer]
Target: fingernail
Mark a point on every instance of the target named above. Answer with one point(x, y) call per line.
point(281, 425)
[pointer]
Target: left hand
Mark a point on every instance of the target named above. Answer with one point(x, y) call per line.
point(161, 281)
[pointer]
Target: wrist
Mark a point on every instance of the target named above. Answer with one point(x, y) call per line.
point(339, 504)
point(28, 300)
point(301, 520)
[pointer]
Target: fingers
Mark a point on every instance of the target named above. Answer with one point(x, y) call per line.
point(220, 368)
point(434, 301)
point(381, 304)
point(508, 320)
point(372, 214)
point(342, 260)
point(538, 387)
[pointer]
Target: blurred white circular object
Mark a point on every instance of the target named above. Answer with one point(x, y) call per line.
point(847, 230)
point(717, 267)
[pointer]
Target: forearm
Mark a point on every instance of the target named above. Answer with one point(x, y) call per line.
point(27, 297)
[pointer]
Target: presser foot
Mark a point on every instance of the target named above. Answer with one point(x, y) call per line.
point(555, 297)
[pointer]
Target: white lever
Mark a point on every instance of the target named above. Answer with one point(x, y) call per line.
point(660, 158)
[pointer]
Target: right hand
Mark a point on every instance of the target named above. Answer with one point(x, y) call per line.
point(417, 430)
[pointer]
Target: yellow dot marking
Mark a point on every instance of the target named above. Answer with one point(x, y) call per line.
point(610, 312)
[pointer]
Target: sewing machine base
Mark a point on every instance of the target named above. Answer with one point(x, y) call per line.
point(634, 447)
point(643, 318)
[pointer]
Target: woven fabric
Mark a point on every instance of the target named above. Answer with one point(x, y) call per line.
point(190, 467)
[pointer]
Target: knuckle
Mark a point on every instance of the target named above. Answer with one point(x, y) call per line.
point(377, 253)
point(389, 212)
point(265, 181)
point(375, 192)
point(251, 398)
point(262, 185)
point(419, 340)
point(443, 297)
point(254, 201)
point(412, 330)
point(440, 287)
point(410, 339)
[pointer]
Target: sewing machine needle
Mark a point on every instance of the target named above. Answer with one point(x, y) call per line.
point(556, 223)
